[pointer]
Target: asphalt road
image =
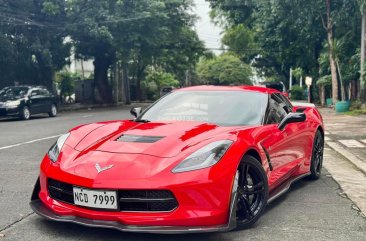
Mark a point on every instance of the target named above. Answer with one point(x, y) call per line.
point(309, 211)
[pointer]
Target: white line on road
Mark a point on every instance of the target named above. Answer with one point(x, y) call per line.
point(28, 142)
point(351, 143)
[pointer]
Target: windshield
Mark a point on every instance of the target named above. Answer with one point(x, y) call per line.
point(13, 92)
point(226, 108)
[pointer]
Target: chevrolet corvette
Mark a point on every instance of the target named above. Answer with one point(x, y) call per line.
point(200, 159)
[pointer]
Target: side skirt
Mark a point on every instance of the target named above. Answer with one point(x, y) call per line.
point(284, 187)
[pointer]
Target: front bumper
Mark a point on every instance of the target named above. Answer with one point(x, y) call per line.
point(39, 208)
point(11, 111)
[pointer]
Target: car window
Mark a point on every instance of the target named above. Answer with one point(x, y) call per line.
point(44, 92)
point(288, 104)
point(277, 110)
point(35, 92)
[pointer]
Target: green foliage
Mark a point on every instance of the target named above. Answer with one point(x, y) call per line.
point(297, 93)
point(240, 40)
point(155, 80)
point(66, 81)
point(290, 33)
point(31, 42)
point(324, 81)
point(225, 69)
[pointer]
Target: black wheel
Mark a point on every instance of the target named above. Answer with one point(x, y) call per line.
point(317, 156)
point(25, 113)
point(53, 111)
point(252, 192)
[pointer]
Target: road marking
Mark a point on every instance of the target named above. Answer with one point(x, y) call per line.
point(364, 141)
point(351, 143)
point(327, 138)
point(86, 116)
point(28, 142)
point(326, 133)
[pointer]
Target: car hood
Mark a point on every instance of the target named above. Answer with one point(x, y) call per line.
point(165, 139)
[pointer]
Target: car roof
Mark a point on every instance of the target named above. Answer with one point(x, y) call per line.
point(27, 86)
point(230, 88)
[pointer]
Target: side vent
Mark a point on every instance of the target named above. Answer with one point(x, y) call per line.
point(141, 139)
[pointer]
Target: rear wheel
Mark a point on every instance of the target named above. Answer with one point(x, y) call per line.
point(317, 156)
point(252, 192)
point(25, 113)
point(53, 111)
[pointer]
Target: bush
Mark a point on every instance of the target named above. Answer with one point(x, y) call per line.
point(297, 93)
point(155, 80)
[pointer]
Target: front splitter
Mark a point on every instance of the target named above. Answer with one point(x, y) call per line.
point(39, 208)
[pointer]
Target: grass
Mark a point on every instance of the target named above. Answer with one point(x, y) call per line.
point(356, 112)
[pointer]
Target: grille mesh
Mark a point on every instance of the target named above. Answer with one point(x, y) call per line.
point(129, 200)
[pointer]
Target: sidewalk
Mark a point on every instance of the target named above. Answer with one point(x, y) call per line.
point(347, 136)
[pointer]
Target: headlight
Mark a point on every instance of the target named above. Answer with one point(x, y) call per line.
point(204, 157)
point(55, 150)
point(14, 103)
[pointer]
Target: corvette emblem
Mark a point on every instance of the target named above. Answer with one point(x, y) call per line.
point(100, 169)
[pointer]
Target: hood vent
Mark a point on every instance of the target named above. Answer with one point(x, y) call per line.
point(141, 139)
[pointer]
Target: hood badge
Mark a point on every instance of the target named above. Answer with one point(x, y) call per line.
point(100, 169)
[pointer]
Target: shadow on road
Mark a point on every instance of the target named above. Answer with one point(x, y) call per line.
point(14, 119)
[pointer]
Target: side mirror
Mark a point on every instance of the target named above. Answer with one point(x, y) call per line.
point(292, 118)
point(136, 111)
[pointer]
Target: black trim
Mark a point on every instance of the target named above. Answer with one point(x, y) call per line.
point(268, 158)
point(36, 190)
point(141, 139)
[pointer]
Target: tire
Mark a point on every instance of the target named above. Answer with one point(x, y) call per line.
point(25, 113)
point(317, 156)
point(53, 111)
point(252, 192)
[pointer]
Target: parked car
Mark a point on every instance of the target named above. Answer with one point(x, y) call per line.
point(201, 159)
point(24, 101)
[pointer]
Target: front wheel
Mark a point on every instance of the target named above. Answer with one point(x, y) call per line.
point(53, 111)
point(317, 156)
point(25, 113)
point(252, 192)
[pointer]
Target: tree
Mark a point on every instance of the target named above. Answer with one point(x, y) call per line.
point(328, 26)
point(225, 69)
point(362, 6)
point(156, 80)
point(240, 40)
point(33, 39)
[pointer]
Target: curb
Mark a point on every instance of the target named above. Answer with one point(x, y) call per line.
point(348, 155)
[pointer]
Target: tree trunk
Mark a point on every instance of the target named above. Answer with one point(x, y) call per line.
point(126, 83)
point(361, 93)
point(332, 62)
point(343, 88)
point(101, 66)
point(322, 95)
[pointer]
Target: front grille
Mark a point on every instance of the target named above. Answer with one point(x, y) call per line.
point(129, 200)
point(147, 200)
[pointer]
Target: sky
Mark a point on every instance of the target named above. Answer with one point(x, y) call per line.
point(207, 31)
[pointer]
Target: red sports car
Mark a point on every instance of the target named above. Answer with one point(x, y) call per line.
point(200, 159)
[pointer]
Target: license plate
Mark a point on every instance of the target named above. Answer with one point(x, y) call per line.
point(95, 198)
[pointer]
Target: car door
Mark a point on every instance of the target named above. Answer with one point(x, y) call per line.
point(283, 147)
point(35, 102)
point(46, 100)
